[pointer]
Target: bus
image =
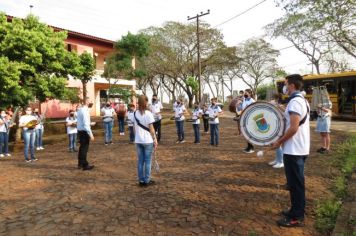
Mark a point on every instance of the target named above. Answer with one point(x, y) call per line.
point(341, 88)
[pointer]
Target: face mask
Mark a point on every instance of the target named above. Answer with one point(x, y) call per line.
point(90, 105)
point(71, 114)
point(107, 105)
point(285, 90)
point(178, 103)
point(196, 107)
point(213, 103)
point(154, 99)
point(245, 96)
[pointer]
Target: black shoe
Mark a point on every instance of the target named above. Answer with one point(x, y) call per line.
point(291, 222)
point(324, 151)
point(141, 184)
point(151, 182)
point(286, 213)
point(88, 167)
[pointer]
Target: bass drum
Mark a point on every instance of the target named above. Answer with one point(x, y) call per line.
point(232, 105)
point(262, 123)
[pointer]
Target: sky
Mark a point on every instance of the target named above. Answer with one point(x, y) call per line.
point(112, 19)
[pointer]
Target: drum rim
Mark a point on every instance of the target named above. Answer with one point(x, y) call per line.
point(252, 141)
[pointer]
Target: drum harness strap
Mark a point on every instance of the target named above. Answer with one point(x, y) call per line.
point(308, 111)
point(139, 124)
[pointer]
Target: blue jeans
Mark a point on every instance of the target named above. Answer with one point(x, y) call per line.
point(4, 143)
point(108, 131)
point(294, 170)
point(132, 133)
point(180, 129)
point(39, 134)
point(144, 154)
point(29, 137)
point(279, 155)
point(72, 141)
point(214, 134)
point(196, 133)
point(121, 121)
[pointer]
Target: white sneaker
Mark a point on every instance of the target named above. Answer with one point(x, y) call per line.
point(2, 155)
point(272, 163)
point(41, 148)
point(278, 165)
point(38, 148)
point(8, 155)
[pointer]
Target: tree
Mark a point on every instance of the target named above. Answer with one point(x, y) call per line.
point(33, 59)
point(87, 71)
point(258, 62)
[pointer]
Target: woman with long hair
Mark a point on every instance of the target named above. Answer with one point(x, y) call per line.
point(145, 140)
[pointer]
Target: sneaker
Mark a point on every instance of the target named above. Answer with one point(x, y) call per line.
point(28, 161)
point(106, 144)
point(35, 159)
point(177, 141)
point(141, 184)
point(249, 151)
point(182, 141)
point(151, 182)
point(38, 148)
point(278, 165)
point(290, 222)
point(41, 148)
point(8, 155)
point(111, 143)
point(2, 155)
point(88, 167)
point(272, 163)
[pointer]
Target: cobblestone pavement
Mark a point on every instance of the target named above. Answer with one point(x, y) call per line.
point(200, 190)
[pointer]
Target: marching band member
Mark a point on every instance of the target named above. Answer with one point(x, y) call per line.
point(206, 118)
point(214, 112)
point(4, 134)
point(108, 122)
point(247, 101)
point(39, 130)
point(155, 108)
point(196, 121)
point(296, 146)
point(71, 123)
point(179, 111)
point(130, 122)
point(323, 125)
point(28, 123)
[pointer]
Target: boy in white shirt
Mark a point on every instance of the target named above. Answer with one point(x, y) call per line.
point(214, 112)
point(179, 111)
point(71, 123)
point(196, 122)
point(130, 122)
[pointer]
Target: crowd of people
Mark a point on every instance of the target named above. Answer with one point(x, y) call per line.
point(144, 122)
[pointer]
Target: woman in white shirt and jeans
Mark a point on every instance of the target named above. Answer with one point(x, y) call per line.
point(145, 139)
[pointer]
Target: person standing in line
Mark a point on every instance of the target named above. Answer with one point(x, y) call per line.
point(179, 111)
point(323, 125)
point(71, 123)
point(156, 107)
point(214, 112)
point(39, 130)
point(206, 119)
point(85, 135)
point(196, 122)
point(130, 122)
point(296, 146)
point(121, 111)
point(145, 139)
point(108, 122)
point(247, 101)
point(4, 134)
point(28, 123)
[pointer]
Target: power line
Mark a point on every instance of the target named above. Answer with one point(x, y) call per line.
point(240, 14)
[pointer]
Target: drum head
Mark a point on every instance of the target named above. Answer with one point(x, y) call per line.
point(262, 123)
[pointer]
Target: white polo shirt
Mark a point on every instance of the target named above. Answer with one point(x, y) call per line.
point(141, 135)
point(156, 109)
point(299, 143)
point(196, 113)
point(213, 112)
point(179, 111)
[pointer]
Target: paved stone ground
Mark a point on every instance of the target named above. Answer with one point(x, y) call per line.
point(201, 190)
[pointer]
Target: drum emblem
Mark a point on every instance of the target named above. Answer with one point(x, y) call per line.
point(261, 123)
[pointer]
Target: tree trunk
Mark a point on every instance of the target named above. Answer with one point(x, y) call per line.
point(84, 91)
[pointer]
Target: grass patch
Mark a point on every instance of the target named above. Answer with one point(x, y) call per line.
point(328, 209)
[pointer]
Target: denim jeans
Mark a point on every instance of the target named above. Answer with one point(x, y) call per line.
point(279, 155)
point(132, 133)
point(214, 134)
point(157, 127)
point(121, 121)
point(72, 141)
point(180, 129)
point(294, 170)
point(108, 131)
point(144, 154)
point(29, 137)
point(4, 143)
point(39, 134)
point(196, 133)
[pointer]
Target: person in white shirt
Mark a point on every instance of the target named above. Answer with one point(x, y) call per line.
point(179, 112)
point(197, 112)
point(85, 135)
point(28, 123)
point(155, 108)
point(323, 125)
point(4, 134)
point(39, 129)
point(296, 145)
point(214, 112)
point(145, 139)
point(71, 124)
point(247, 101)
point(130, 122)
point(108, 113)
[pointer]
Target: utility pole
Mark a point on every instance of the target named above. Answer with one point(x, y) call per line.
point(31, 6)
point(198, 48)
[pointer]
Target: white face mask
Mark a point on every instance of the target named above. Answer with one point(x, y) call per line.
point(285, 90)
